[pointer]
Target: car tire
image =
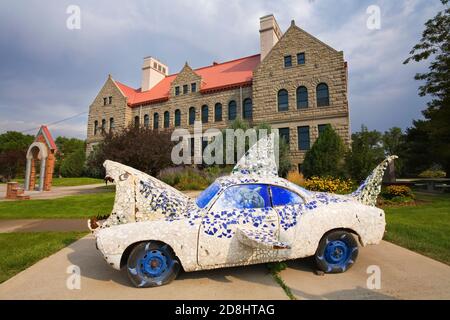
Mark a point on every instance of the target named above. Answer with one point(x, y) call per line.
point(337, 252)
point(152, 264)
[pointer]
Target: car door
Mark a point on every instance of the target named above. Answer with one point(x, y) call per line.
point(287, 203)
point(240, 206)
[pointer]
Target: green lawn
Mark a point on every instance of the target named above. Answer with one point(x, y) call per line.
point(69, 182)
point(18, 251)
point(424, 228)
point(82, 206)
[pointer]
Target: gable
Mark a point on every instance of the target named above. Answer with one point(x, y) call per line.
point(110, 89)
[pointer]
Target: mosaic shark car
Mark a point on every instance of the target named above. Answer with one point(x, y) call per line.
point(251, 216)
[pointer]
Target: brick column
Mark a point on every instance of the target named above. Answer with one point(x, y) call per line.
point(32, 175)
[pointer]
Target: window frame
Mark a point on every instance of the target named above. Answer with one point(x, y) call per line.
point(177, 90)
point(234, 112)
point(298, 138)
point(299, 61)
point(278, 100)
point(285, 188)
point(323, 103)
point(185, 89)
point(156, 120)
point(216, 107)
point(166, 120)
point(146, 121)
point(177, 118)
point(189, 116)
point(204, 115)
point(244, 110)
point(306, 106)
point(287, 58)
point(288, 135)
point(193, 87)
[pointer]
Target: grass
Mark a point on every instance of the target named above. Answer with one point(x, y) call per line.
point(424, 228)
point(70, 182)
point(81, 206)
point(275, 268)
point(18, 251)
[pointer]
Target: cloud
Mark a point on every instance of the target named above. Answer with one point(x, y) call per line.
point(49, 72)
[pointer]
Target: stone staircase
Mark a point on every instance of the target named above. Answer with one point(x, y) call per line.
point(15, 192)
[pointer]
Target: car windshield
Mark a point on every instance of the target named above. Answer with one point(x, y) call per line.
point(209, 193)
point(301, 190)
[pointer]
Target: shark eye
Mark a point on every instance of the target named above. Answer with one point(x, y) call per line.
point(123, 176)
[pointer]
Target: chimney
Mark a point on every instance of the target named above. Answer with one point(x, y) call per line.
point(269, 34)
point(153, 71)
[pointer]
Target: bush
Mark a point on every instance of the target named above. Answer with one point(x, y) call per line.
point(326, 157)
point(144, 149)
point(185, 178)
point(433, 173)
point(395, 193)
point(334, 185)
point(73, 165)
point(295, 177)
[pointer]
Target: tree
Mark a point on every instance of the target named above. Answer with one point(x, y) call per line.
point(143, 149)
point(13, 149)
point(394, 144)
point(73, 165)
point(66, 147)
point(284, 162)
point(326, 156)
point(366, 152)
point(435, 43)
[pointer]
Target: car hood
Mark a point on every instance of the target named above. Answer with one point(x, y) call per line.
point(141, 197)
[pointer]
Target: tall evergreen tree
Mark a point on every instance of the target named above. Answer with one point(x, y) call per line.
point(435, 44)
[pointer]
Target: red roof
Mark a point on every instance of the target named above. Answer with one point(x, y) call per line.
point(218, 76)
point(48, 137)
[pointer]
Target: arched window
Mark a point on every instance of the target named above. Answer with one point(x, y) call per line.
point(323, 96)
point(205, 113)
point(218, 112)
point(136, 122)
point(248, 109)
point(302, 97)
point(156, 121)
point(177, 118)
point(95, 127)
point(103, 125)
point(283, 100)
point(146, 120)
point(166, 119)
point(232, 110)
point(111, 124)
point(191, 115)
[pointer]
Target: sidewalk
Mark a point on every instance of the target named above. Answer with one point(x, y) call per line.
point(38, 225)
point(58, 192)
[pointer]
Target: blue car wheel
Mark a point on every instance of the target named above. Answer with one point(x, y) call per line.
point(337, 252)
point(152, 264)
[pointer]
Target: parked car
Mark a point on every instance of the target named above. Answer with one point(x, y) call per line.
point(251, 216)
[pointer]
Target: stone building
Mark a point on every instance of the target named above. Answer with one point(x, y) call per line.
point(297, 84)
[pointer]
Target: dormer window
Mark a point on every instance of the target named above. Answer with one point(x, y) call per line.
point(104, 101)
point(177, 91)
point(185, 89)
point(110, 100)
point(193, 87)
point(301, 58)
point(287, 61)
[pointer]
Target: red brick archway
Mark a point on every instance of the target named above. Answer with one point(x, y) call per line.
point(41, 151)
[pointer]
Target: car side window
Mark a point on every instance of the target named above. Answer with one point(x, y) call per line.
point(248, 196)
point(284, 197)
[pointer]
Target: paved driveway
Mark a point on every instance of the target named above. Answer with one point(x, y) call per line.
point(404, 275)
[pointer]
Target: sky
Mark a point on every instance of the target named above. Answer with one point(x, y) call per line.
point(49, 72)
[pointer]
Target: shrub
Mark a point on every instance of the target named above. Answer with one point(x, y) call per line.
point(185, 178)
point(144, 149)
point(295, 177)
point(397, 192)
point(326, 156)
point(329, 184)
point(433, 173)
point(73, 165)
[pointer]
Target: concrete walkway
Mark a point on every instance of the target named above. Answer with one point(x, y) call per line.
point(404, 275)
point(58, 192)
point(37, 225)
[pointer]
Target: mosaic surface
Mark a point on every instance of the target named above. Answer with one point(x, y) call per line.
point(251, 216)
